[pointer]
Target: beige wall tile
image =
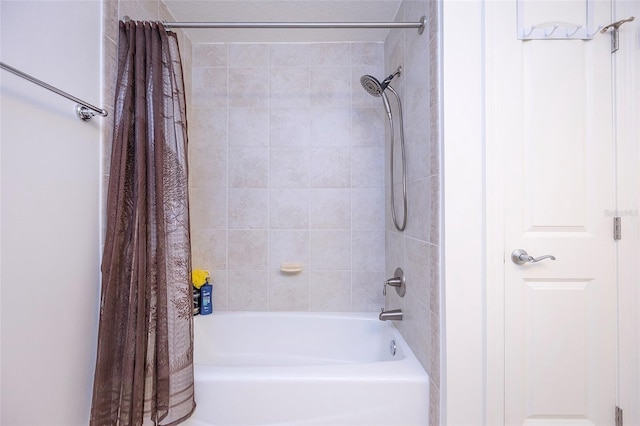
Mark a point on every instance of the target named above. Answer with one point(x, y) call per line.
point(330, 249)
point(289, 127)
point(330, 168)
point(247, 207)
point(209, 87)
point(207, 166)
point(329, 87)
point(289, 87)
point(367, 164)
point(288, 246)
point(248, 250)
point(367, 250)
point(330, 209)
point(248, 127)
point(248, 290)
point(367, 53)
point(247, 55)
point(288, 292)
point(209, 248)
point(289, 55)
point(247, 87)
point(330, 127)
point(248, 167)
point(289, 209)
point(330, 54)
point(367, 211)
point(207, 127)
point(208, 207)
point(330, 291)
point(368, 126)
point(289, 167)
point(220, 289)
point(367, 291)
point(209, 55)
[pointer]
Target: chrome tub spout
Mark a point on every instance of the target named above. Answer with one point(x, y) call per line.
point(393, 315)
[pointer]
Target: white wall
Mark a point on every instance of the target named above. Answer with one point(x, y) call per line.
point(464, 227)
point(49, 212)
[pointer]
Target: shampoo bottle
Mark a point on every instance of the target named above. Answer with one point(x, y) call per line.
point(206, 307)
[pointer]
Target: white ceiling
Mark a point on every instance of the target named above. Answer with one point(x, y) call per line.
point(284, 11)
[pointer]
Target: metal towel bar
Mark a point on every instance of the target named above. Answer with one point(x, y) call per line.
point(84, 110)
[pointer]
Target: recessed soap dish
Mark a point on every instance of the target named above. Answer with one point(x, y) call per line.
point(291, 267)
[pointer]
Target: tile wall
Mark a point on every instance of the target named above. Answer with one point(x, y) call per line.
point(417, 249)
point(286, 159)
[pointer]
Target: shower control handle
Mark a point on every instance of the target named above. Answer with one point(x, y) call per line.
point(397, 281)
point(393, 282)
point(520, 257)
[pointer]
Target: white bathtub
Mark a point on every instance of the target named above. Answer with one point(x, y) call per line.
point(257, 368)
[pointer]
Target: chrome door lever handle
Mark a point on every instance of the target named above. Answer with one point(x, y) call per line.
point(538, 259)
point(520, 257)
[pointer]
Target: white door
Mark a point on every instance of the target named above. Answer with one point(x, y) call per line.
point(554, 120)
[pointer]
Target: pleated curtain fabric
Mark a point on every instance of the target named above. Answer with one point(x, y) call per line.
point(144, 366)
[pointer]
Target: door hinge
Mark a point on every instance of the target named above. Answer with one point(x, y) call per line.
point(617, 228)
point(618, 416)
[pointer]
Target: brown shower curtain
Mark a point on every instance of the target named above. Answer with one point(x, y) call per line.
point(144, 366)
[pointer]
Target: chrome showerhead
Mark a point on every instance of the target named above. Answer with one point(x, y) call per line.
point(372, 85)
point(375, 88)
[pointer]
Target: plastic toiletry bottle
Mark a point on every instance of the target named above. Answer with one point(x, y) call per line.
point(206, 307)
point(196, 300)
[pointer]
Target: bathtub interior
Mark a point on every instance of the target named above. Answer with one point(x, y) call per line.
point(256, 339)
point(257, 368)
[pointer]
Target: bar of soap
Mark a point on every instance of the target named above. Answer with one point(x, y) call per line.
point(291, 267)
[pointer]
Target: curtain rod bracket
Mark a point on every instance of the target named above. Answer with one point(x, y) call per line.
point(84, 113)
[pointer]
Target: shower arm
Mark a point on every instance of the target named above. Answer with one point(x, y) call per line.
point(386, 81)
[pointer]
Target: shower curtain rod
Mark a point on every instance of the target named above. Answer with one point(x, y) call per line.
point(419, 25)
point(84, 110)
